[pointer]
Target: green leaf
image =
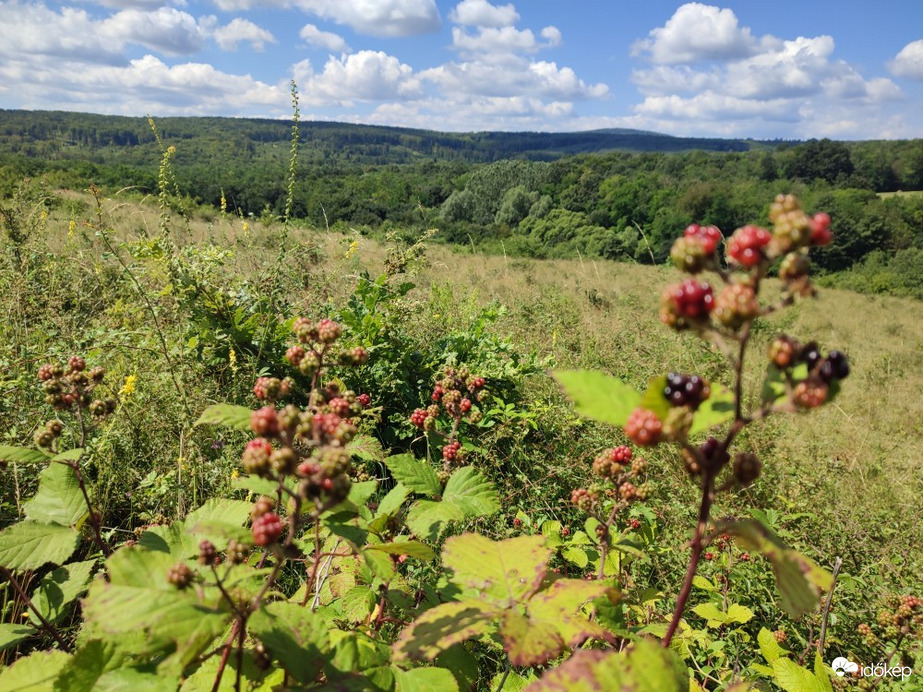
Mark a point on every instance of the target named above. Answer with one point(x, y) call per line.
point(443, 626)
point(798, 578)
point(644, 667)
point(551, 530)
point(529, 642)
point(255, 485)
point(419, 476)
point(471, 492)
point(218, 520)
point(34, 673)
point(718, 408)
point(21, 455)
point(793, 678)
point(704, 583)
point(575, 556)
point(714, 616)
point(597, 396)
point(769, 647)
point(11, 635)
point(60, 588)
point(739, 613)
point(31, 544)
point(296, 636)
point(424, 680)
point(226, 415)
point(414, 549)
point(822, 673)
point(366, 448)
point(58, 500)
point(427, 519)
point(357, 604)
point(653, 398)
point(86, 667)
point(463, 665)
point(560, 605)
point(499, 572)
point(69, 455)
point(380, 563)
point(141, 567)
point(391, 503)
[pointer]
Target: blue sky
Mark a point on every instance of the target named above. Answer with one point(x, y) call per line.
point(760, 69)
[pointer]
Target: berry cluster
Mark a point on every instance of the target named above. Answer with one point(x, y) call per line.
point(314, 349)
point(180, 575)
point(266, 529)
point(455, 395)
point(812, 391)
point(687, 304)
point(686, 390)
point(696, 250)
point(271, 388)
point(644, 428)
point(70, 387)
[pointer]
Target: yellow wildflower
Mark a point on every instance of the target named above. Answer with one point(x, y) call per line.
point(71, 227)
point(129, 387)
point(234, 475)
point(353, 246)
point(232, 359)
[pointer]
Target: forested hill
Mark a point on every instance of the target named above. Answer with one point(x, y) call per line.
point(57, 134)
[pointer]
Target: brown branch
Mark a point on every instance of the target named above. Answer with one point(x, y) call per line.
point(47, 626)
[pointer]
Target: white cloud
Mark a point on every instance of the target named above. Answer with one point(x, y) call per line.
point(323, 39)
point(697, 32)
point(33, 32)
point(481, 13)
point(363, 76)
point(167, 30)
point(909, 62)
point(378, 17)
point(229, 35)
point(553, 35)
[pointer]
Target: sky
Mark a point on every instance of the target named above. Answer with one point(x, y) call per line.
point(779, 69)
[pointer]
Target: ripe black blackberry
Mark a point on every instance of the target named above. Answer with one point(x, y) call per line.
point(686, 390)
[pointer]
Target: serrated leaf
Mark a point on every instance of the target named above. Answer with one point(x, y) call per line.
point(462, 664)
point(417, 475)
point(58, 500)
point(821, 672)
point(85, 668)
point(443, 626)
point(424, 680)
point(69, 455)
point(653, 398)
point(575, 556)
point(31, 544)
point(500, 572)
point(798, 578)
point(714, 616)
point(644, 667)
point(380, 563)
point(218, 520)
point(793, 678)
point(739, 613)
point(11, 635)
point(551, 530)
point(598, 396)
point(414, 549)
point(391, 503)
point(21, 455)
point(527, 641)
point(173, 539)
point(427, 519)
point(357, 603)
point(717, 409)
point(34, 673)
point(560, 605)
point(769, 647)
point(366, 447)
point(255, 485)
point(61, 587)
point(704, 583)
point(139, 567)
point(226, 415)
point(296, 636)
point(471, 492)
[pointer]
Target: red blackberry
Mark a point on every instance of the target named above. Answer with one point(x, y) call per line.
point(267, 529)
point(709, 236)
point(418, 417)
point(820, 230)
point(643, 427)
point(451, 450)
point(686, 303)
point(783, 350)
point(621, 455)
point(265, 421)
point(746, 245)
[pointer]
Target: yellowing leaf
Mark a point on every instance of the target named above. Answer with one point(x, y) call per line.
point(598, 396)
point(443, 626)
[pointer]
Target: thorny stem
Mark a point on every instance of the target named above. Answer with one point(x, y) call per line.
point(225, 654)
point(708, 496)
point(47, 626)
point(823, 622)
point(95, 523)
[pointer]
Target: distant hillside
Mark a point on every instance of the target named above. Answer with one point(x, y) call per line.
point(115, 139)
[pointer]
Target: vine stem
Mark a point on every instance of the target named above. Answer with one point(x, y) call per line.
point(47, 626)
point(823, 622)
point(697, 547)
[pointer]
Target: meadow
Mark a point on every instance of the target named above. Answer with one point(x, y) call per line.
point(186, 310)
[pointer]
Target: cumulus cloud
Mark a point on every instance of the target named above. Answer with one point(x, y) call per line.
point(323, 39)
point(166, 29)
point(363, 76)
point(482, 13)
point(697, 32)
point(909, 62)
point(378, 17)
point(242, 30)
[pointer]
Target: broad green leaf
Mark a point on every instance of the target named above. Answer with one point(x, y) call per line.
point(253, 678)
point(355, 652)
point(21, 455)
point(173, 539)
point(471, 492)
point(463, 665)
point(718, 408)
point(414, 549)
point(427, 519)
point(798, 578)
point(87, 665)
point(424, 680)
point(357, 604)
point(575, 556)
point(644, 667)
point(58, 500)
point(131, 680)
point(366, 447)
point(226, 415)
point(793, 678)
point(739, 613)
point(141, 567)
point(443, 626)
point(822, 673)
point(31, 544)
point(60, 588)
point(11, 635)
point(551, 530)
point(219, 520)
point(598, 396)
point(391, 503)
point(560, 605)
point(714, 616)
point(769, 647)
point(417, 475)
point(500, 572)
point(296, 636)
point(380, 563)
point(653, 398)
point(34, 673)
point(69, 455)
point(255, 485)
point(527, 641)
point(701, 582)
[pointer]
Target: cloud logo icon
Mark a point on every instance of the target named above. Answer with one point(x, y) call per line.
point(842, 666)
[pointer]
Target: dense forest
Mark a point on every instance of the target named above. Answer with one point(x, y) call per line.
point(617, 194)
